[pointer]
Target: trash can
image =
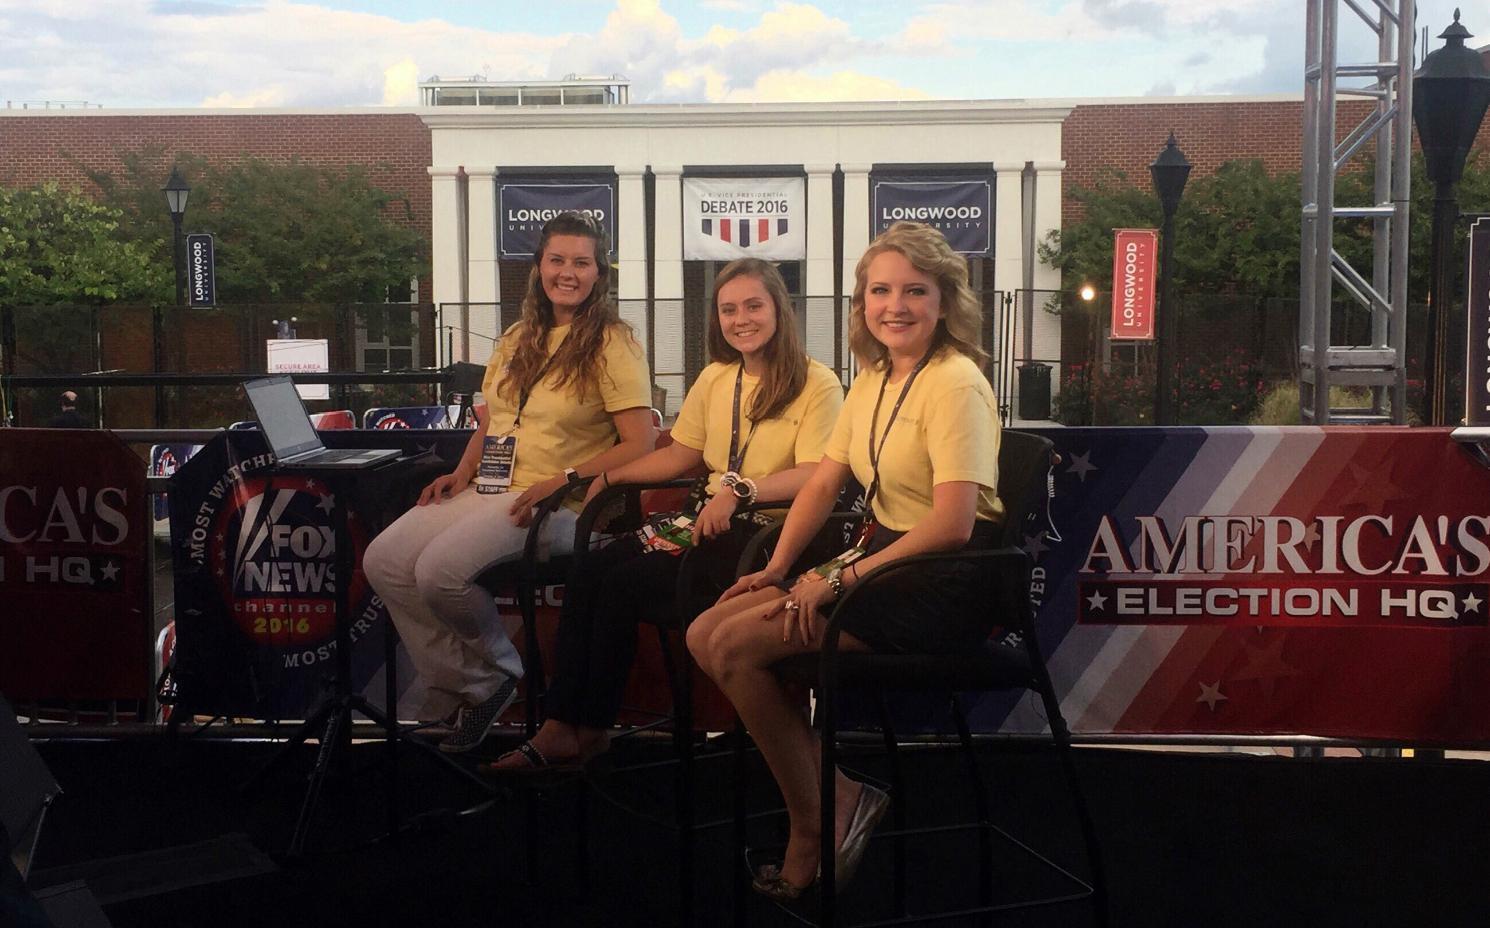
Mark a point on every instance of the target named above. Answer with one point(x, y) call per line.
point(1034, 391)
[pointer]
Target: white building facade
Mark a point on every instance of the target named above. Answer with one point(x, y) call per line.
point(657, 158)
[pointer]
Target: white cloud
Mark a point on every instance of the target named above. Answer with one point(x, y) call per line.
point(799, 87)
point(194, 52)
point(401, 84)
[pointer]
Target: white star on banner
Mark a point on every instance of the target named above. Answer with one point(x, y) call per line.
point(1472, 603)
point(310, 483)
point(1210, 694)
point(1034, 546)
point(1096, 601)
point(1081, 465)
point(109, 570)
point(327, 503)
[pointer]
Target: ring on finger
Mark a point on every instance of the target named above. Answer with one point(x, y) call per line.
point(791, 605)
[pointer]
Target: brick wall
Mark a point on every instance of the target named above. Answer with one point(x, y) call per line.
point(394, 147)
point(1127, 136)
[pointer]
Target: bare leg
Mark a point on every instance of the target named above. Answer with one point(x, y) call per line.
point(744, 642)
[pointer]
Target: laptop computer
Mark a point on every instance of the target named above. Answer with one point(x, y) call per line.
point(293, 439)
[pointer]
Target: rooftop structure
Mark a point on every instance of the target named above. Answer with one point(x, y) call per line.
point(572, 90)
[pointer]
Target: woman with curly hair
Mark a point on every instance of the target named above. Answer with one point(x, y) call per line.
point(920, 429)
point(567, 396)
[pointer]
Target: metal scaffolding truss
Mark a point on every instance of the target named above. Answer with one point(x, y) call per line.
point(1388, 81)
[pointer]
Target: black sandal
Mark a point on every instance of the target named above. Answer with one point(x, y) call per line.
point(537, 762)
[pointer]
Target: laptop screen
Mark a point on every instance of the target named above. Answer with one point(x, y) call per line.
point(282, 416)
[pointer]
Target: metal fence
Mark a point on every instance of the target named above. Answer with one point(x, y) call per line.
point(1236, 359)
point(67, 341)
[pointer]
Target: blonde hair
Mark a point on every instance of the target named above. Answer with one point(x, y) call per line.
point(786, 360)
point(961, 325)
point(579, 359)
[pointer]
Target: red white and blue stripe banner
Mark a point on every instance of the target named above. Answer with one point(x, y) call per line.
point(738, 217)
point(1263, 581)
point(961, 208)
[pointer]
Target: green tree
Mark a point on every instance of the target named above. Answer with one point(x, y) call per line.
point(284, 233)
point(1236, 231)
point(60, 247)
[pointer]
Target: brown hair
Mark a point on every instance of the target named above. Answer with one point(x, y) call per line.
point(961, 325)
point(578, 360)
point(786, 360)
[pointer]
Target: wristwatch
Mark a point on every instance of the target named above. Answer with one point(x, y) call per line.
point(835, 582)
point(571, 476)
point(741, 490)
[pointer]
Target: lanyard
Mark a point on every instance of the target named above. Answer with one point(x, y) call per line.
point(874, 454)
point(736, 453)
point(526, 392)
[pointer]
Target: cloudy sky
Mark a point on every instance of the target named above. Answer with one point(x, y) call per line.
point(218, 53)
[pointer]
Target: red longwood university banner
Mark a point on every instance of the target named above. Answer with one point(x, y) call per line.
point(74, 619)
point(1134, 275)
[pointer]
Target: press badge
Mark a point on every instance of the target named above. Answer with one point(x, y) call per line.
point(858, 550)
point(498, 453)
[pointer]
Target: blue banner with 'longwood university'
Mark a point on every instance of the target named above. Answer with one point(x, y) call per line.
point(960, 207)
point(525, 204)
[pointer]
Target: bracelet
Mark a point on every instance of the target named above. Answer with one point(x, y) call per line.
point(750, 485)
point(854, 566)
point(606, 477)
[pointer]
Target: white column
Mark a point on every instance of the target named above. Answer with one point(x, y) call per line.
point(631, 248)
point(486, 321)
point(1047, 327)
point(667, 247)
point(1008, 251)
point(818, 304)
point(445, 260)
point(855, 235)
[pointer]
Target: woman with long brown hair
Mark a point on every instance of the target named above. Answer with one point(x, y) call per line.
point(757, 418)
point(567, 397)
point(920, 429)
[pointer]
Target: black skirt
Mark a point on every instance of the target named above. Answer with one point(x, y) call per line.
point(939, 608)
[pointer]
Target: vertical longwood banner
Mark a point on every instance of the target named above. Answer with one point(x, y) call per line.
point(1477, 337)
point(1134, 263)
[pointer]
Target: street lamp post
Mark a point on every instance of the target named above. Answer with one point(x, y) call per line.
point(177, 191)
point(1449, 95)
point(1169, 171)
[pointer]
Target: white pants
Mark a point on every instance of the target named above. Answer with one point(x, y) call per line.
point(423, 566)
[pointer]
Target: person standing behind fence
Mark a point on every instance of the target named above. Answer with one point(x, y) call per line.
point(68, 417)
point(920, 428)
point(567, 397)
point(757, 418)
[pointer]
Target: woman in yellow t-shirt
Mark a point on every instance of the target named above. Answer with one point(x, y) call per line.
point(920, 429)
point(757, 418)
point(567, 396)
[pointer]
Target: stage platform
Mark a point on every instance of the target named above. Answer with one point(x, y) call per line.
point(156, 829)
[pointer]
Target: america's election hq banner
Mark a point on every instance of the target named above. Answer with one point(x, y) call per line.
point(1255, 581)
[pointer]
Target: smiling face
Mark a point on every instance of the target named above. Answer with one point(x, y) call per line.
point(902, 305)
point(747, 314)
point(568, 271)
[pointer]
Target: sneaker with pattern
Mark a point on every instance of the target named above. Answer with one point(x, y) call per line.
point(473, 722)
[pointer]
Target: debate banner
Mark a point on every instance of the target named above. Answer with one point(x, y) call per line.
point(525, 204)
point(74, 575)
point(1263, 581)
point(725, 218)
point(961, 208)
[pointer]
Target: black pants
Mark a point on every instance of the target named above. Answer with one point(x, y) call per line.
point(610, 592)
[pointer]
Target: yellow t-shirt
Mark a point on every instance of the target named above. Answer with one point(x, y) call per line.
point(559, 427)
point(948, 430)
point(796, 436)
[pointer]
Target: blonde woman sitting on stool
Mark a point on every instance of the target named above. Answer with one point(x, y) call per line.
point(920, 429)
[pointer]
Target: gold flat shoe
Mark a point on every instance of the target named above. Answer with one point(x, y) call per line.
point(867, 813)
point(770, 883)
